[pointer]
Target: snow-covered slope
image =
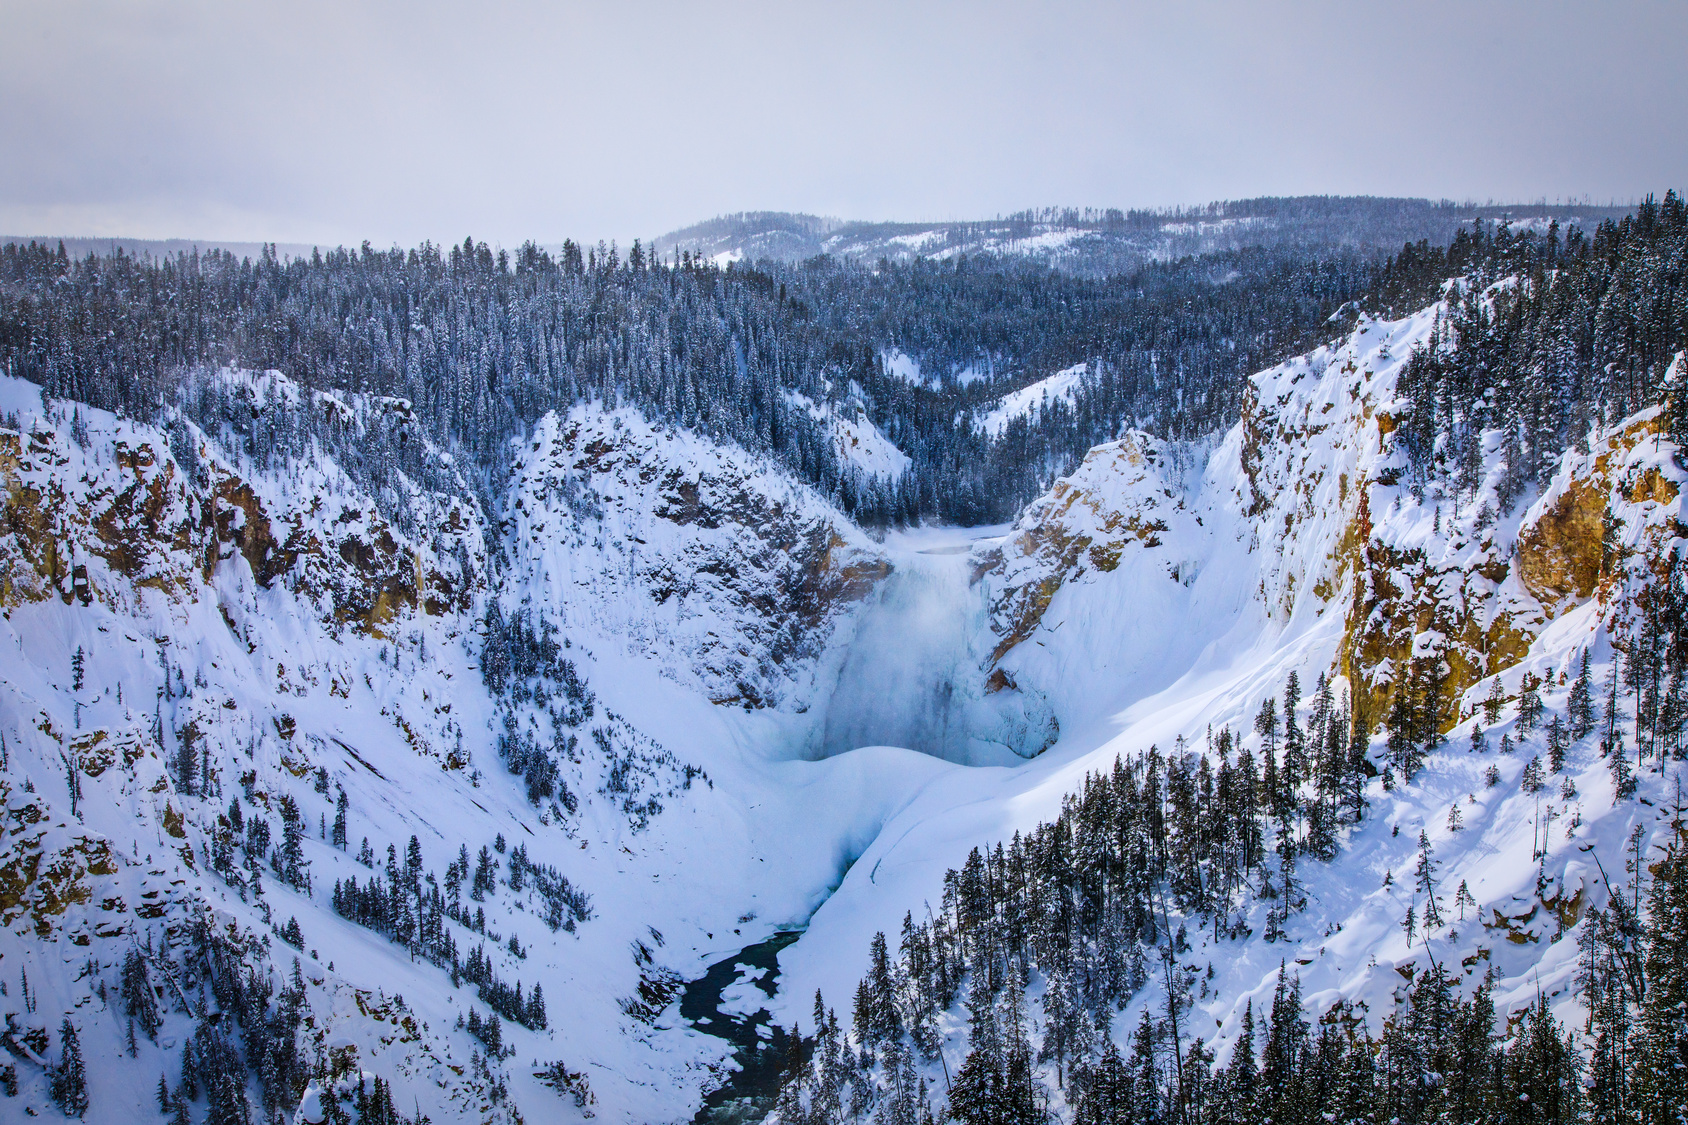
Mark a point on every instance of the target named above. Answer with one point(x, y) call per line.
point(1160, 593)
point(663, 671)
point(1030, 401)
point(184, 633)
point(856, 441)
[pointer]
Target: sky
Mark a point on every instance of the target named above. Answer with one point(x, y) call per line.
point(350, 120)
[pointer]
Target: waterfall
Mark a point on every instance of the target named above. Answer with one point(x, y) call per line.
point(911, 675)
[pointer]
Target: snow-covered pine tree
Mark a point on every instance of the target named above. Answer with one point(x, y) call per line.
point(68, 1080)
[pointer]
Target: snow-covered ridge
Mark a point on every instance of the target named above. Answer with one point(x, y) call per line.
point(1031, 400)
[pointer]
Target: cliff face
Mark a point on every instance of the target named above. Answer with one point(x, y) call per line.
point(1126, 571)
point(1306, 516)
point(110, 514)
point(709, 558)
point(1120, 498)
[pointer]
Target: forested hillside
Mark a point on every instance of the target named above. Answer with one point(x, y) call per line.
point(1302, 744)
point(1549, 374)
point(483, 344)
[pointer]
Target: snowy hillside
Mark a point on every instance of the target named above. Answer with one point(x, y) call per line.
point(1032, 400)
point(198, 650)
point(1155, 601)
point(477, 788)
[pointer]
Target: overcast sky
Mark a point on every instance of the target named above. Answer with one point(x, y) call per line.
point(336, 122)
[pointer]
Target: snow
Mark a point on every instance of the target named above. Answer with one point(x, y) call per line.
point(1028, 401)
point(917, 242)
point(1213, 226)
point(20, 398)
point(1048, 241)
point(855, 439)
point(899, 364)
point(1206, 574)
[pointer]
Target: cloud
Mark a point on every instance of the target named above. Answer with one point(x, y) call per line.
point(397, 122)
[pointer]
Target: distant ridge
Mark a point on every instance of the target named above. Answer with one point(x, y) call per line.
point(1097, 242)
point(157, 247)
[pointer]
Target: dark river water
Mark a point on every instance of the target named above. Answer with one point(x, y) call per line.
point(749, 1092)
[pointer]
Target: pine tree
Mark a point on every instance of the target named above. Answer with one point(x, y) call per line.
point(1529, 703)
point(1580, 706)
point(1244, 1077)
point(1623, 781)
point(338, 839)
point(1425, 874)
point(1105, 1098)
point(877, 1021)
point(1542, 1071)
point(1493, 702)
point(1468, 1092)
point(1530, 781)
point(536, 1018)
point(486, 879)
point(1295, 743)
point(1661, 1071)
point(1405, 753)
point(68, 1081)
point(1266, 726)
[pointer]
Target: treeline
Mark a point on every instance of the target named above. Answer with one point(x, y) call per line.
point(1443, 1058)
point(479, 345)
point(1582, 336)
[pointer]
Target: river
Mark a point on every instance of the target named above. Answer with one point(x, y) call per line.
point(759, 1047)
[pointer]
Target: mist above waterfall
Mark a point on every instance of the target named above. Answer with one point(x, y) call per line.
point(912, 674)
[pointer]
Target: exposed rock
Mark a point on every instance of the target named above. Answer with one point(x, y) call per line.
point(110, 529)
point(706, 552)
point(1118, 499)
